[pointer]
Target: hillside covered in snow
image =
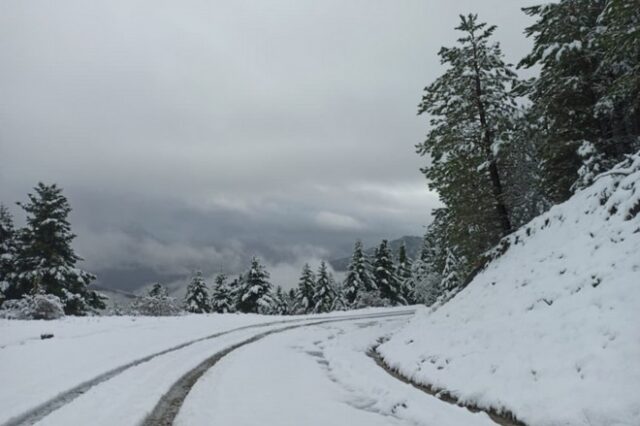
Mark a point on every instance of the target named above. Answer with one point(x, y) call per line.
point(549, 330)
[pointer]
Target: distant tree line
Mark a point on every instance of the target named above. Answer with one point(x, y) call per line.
point(370, 282)
point(501, 150)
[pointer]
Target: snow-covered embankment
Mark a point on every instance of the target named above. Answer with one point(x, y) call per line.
point(550, 330)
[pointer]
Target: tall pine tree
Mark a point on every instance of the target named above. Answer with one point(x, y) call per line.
point(586, 95)
point(197, 298)
point(222, 295)
point(280, 305)
point(254, 289)
point(7, 252)
point(385, 276)
point(358, 277)
point(471, 109)
point(46, 262)
point(325, 294)
point(403, 272)
point(305, 296)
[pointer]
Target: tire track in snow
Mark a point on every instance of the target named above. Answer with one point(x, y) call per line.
point(39, 412)
point(166, 410)
point(501, 418)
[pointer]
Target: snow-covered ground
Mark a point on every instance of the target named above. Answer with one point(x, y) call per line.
point(35, 371)
point(315, 376)
point(551, 330)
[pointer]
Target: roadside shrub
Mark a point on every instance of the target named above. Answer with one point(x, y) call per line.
point(39, 306)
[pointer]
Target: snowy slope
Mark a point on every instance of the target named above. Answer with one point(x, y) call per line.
point(551, 329)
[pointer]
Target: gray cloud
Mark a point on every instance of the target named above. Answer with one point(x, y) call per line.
point(197, 132)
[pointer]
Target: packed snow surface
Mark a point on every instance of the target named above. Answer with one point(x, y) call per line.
point(34, 371)
point(315, 376)
point(549, 330)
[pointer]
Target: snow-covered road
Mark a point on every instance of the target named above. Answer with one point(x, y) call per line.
point(315, 374)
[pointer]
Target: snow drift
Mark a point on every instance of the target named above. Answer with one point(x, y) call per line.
point(550, 329)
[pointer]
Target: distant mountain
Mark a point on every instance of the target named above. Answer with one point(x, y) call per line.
point(413, 245)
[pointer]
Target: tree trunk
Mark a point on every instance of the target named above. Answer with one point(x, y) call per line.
point(487, 139)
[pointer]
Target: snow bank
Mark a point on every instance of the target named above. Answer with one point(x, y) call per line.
point(550, 329)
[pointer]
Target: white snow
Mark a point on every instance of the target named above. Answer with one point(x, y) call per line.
point(550, 330)
point(33, 371)
point(315, 376)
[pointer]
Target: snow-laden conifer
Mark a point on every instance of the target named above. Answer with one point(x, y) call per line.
point(254, 289)
point(156, 302)
point(46, 262)
point(385, 276)
point(471, 108)
point(7, 251)
point(325, 294)
point(305, 295)
point(222, 300)
point(197, 298)
point(280, 305)
point(359, 276)
point(403, 272)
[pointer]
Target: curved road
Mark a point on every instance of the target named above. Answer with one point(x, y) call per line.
point(313, 371)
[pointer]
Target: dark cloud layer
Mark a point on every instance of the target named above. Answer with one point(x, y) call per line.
point(189, 134)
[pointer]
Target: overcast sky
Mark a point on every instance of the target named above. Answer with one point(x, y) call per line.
point(191, 133)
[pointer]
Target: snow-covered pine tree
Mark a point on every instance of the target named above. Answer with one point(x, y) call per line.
point(292, 301)
point(427, 270)
point(385, 276)
point(305, 296)
point(324, 292)
point(588, 85)
point(340, 301)
point(451, 278)
point(618, 36)
point(403, 272)
point(156, 303)
point(471, 109)
point(254, 290)
point(222, 300)
point(158, 290)
point(280, 305)
point(46, 262)
point(197, 298)
point(7, 252)
point(359, 276)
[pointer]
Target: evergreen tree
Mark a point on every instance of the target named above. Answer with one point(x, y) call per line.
point(306, 293)
point(280, 305)
point(588, 86)
point(292, 301)
point(156, 303)
point(340, 301)
point(471, 108)
point(46, 262)
point(7, 252)
point(524, 187)
point(197, 298)
point(618, 36)
point(403, 272)
point(158, 290)
point(324, 291)
point(358, 275)
point(451, 278)
point(222, 300)
point(254, 290)
point(385, 276)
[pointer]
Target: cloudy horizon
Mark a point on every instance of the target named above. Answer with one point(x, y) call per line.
point(193, 134)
